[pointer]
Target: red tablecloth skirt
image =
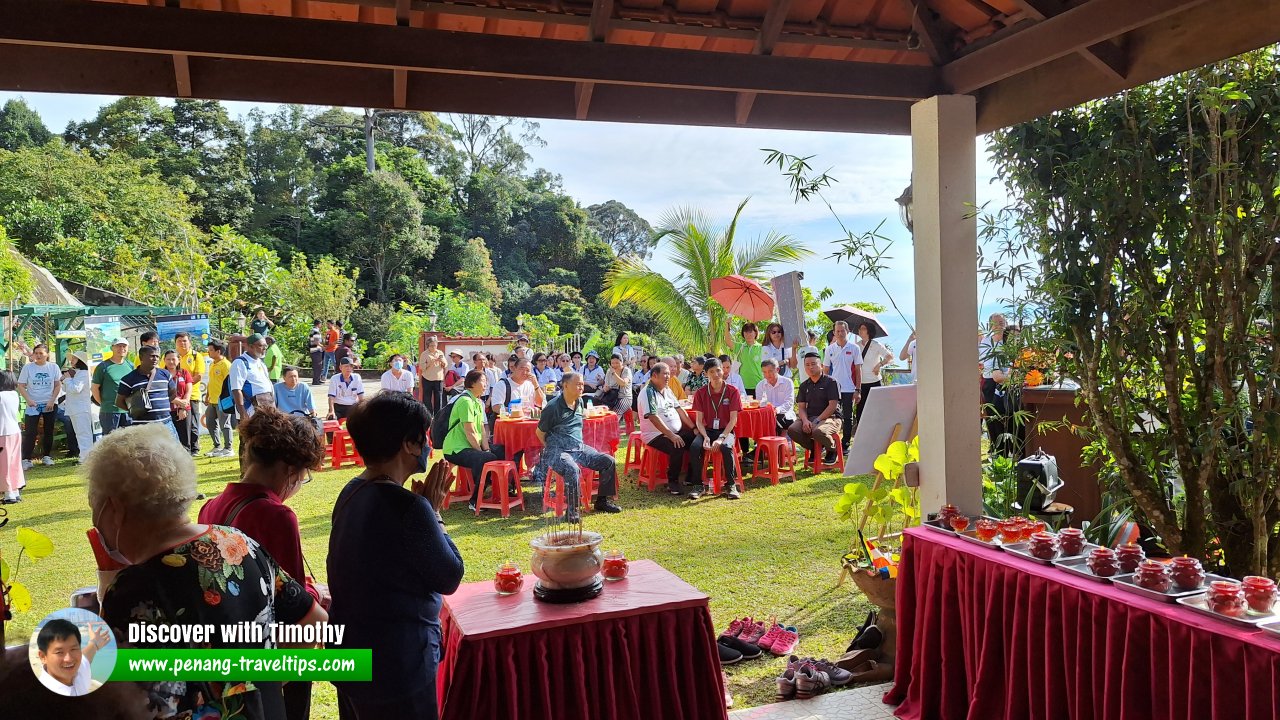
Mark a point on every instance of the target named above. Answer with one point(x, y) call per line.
point(516, 436)
point(755, 423)
point(643, 650)
point(986, 635)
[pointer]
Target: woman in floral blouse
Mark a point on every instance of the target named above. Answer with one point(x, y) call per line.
point(173, 571)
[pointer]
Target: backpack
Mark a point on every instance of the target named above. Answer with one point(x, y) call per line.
point(506, 382)
point(442, 423)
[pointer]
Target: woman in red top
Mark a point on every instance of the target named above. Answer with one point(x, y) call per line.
point(279, 452)
point(181, 406)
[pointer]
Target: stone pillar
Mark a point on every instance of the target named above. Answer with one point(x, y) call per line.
point(944, 180)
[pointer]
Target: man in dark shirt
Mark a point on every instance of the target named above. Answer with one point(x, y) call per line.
point(718, 404)
point(817, 410)
point(560, 430)
point(155, 388)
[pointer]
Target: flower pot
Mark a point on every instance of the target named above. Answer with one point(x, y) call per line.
point(567, 567)
point(882, 593)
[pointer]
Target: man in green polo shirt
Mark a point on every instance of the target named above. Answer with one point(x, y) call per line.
point(560, 430)
point(467, 443)
point(274, 360)
point(106, 382)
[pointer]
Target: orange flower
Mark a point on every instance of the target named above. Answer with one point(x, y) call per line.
point(1034, 378)
point(233, 547)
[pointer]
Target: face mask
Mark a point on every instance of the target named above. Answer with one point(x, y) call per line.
point(398, 364)
point(114, 552)
point(424, 456)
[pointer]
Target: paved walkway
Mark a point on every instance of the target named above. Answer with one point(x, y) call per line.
point(862, 703)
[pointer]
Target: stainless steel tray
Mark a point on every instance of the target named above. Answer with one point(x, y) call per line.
point(935, 524)
point(1271, 626)
point(1021, 549)
point(1199, 603)
point(1079, 565)
point(1125, 582)
point(972, 536)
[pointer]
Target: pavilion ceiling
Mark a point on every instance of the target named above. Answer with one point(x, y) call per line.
point(846, 65)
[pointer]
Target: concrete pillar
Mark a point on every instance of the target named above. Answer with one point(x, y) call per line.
point(944, 180)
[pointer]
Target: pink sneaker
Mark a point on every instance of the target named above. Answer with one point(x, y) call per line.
point(753, 633)
point(735, 627)
point(766, 642)
point(785, 642)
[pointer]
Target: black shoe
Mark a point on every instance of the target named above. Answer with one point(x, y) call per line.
point(675, 489)
point(868, 623)
point(732, 493)
point(604, 504)
point(728, 655)
point(829, 458)
point(513, 491)
point(471, 506)
point(870, 640)
point(744, 648)
point(200, 496)
point(696, 492)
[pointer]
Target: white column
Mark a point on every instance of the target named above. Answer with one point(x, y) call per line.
point(944, 179)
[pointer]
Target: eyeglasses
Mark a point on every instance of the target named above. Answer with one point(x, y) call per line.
point(775, 331)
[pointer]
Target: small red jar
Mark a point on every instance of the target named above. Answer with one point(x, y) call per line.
point(1130, 555)
point(1071, 540)
point(1187, 573)
point(615, 565)
point(959, 523)
point(947, 511)
point(1153, 575)
point(508, 580)
point(1038, 526)
point(1226, 597)
point(1102, 562)
point(1260, 593)
point(1044, 546)
point(986, 530)
point(1010, 531)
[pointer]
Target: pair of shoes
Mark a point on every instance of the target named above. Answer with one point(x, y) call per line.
point(732, 493)
point(829, 458)
point(735, 627)
point(780, 640)
point(746, 650)
point(696, 492)
point(811, 681)
point(214, 452)
point(604, 504)
point(10, 500)
point(838, 675)
point(26, 465)
point(46, 461)
point(675, 489)
point(753, 630)
point(728, 655)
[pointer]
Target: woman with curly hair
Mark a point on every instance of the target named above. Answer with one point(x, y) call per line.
point(279, 451)
point(159, 568)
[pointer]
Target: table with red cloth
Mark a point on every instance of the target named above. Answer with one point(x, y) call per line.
point(644, 649)
point(757, 422)
point(984, 635)
point(599, 432)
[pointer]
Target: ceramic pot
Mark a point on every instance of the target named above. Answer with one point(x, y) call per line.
point(567, 564)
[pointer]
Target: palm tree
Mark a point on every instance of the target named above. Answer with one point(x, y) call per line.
point(703, 251)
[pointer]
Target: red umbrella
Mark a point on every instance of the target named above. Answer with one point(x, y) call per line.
point(743, 297)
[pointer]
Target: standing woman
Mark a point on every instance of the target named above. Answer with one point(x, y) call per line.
point(390, 560)
point(11, 476)
point(775, 348)
point(181, 404)
point(431, 367)
point(78, 384)
point(874, 357)
point(622, 348)
point(747, 356)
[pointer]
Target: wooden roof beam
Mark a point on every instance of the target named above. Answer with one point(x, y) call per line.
point(1106, 55)
point(601, 15)
point(119, 27)
point(771, 28)
point(1064, 34)
point(927, 29)
point(182, 75)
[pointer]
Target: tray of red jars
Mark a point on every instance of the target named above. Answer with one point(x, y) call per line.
point(1167, 582)
point(1081, 565)
point(955, 523)
point(1250, 602)
point(1047, 548)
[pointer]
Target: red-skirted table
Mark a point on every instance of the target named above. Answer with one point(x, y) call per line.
point(985, 635)
point(599, 432)
point(644, 649)
point(753, 423)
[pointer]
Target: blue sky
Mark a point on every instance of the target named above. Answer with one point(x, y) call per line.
point(653, 168)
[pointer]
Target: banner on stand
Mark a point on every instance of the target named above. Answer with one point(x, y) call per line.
point(99, 331)
point(196, 325)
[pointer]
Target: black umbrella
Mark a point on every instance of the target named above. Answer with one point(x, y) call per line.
point(855, 317)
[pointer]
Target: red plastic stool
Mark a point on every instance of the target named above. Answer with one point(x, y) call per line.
point(717, 470)
point(629, 417)
point(813, 458)
point(589, 481)
point(781, 456)
point(587, 484)
point(653, 471)
point(344, 450)
point(635, 453)
point(462, 484)
point(500, 474)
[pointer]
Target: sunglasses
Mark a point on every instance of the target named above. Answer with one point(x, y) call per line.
point(775, 332)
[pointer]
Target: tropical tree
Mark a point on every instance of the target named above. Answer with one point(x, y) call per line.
point(703, 251)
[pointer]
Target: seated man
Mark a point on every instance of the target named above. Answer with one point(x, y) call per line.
point(560, 430)
point(778, 392)
point(665, 426)
point(718, 404)
point(817, 410)
point(521, 385)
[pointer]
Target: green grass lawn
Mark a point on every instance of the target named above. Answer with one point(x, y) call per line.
point(775, 551)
